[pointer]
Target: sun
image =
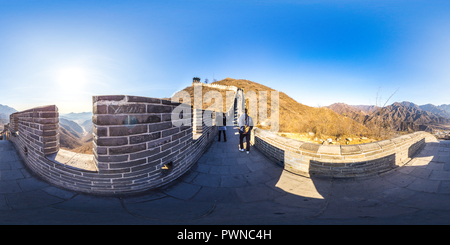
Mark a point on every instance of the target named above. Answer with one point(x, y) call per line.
point(72, 79)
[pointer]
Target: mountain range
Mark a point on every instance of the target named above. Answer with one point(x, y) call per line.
point(75, 132)
point(405, 112)
point(337, 119)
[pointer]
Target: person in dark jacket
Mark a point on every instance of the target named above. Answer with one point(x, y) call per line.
point(223, 129)
point(245, 123)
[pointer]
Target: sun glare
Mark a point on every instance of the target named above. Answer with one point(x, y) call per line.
point(71, 78)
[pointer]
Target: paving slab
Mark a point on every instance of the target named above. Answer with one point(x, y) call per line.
point(440, 175)
point(230, 187)
point(181, 190)
point(424, 185)
point(91, 204)
point(217, 195)
point(9, 186)
point(424, 200)
point(257, 193)
point(445, 187)
point(60, 193)
point(11, 174)
point(236, 180)
point(31, 199)
point(4, 204)
point(170, 209)
point(30, 184)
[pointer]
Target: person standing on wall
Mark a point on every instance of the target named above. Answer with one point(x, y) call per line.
point(223, 128)
point(245, 128)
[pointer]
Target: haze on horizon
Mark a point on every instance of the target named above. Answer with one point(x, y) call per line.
point(317, 52)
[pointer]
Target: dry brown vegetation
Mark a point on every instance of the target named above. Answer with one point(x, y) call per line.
point(296, 118)
point(75, 142)
point(208, 97)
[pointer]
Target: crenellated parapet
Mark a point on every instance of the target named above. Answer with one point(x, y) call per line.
point(136, 140)
point(140, 143)
point(37, 129)
point(339, 161)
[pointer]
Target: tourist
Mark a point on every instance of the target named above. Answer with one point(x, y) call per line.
point(223, 128)
point(245, 127)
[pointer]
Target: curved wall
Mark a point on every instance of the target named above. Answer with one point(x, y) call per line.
point(136, 145)
point(339, 161)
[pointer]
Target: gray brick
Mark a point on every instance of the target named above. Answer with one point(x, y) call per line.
point(143, 154)
point(159, 126)
point(109, 119)
point(126, 108)
point(145, 118)
point(127, 149)
point(170, 132)
point(159, 109)
point(127, 130)
point(111, 141)
point(99, 109)
point(144, 137)
point(107, 98)
point(119, 158)
point(128, 164)
point(144, 99)
point(159, 142)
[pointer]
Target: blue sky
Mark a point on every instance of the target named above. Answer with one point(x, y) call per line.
point(318, 52)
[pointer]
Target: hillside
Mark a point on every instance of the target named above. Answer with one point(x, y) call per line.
point(408, 112)
point(295, 117)
point(357, 113)
point(74, 137)
point(205, 90)
point(77, 117)
point(298, 118)
point(437, 110)
point(445, 107)
point(68, 140)
point(71, 126)
point(404, 116)
point(5, 111)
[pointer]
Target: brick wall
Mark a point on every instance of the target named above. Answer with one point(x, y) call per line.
point(134, 139)
point(339, 161)
point(37, 129)
point(136, 145)
point(14, 122)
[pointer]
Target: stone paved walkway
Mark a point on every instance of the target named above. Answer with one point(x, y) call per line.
point(230, 187)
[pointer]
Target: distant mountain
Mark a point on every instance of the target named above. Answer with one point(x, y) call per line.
point(403, 115)
point(410, 104)
point(73, 137)
point(368, 109)
point(71, 126)
point(353, 112)
point(438, 110)
point(445, 107)
point(68, 140)
point(77, 117)
point(83, 121)
point(5, 111)
point(88, 126)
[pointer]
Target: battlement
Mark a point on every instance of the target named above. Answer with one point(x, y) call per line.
point(137, 144)
point(142, 143)
point(339, 161)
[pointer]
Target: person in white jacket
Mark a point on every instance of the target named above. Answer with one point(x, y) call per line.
point(245, 120)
